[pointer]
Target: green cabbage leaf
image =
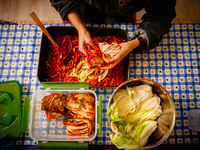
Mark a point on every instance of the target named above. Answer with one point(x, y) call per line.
point(137, 138)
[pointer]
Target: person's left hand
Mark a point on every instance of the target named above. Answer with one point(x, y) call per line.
point(126, 48)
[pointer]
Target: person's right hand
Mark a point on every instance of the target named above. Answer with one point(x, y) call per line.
point(85, 38)
point(83, 33)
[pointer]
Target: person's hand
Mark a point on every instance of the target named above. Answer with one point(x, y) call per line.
point(84, 37)
point(126, 48)
point(117, 58)
point(83, 33)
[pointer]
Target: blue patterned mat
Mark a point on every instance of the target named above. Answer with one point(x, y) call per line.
point(174, 63)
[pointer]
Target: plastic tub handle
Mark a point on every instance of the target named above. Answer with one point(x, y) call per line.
point(99, 114)
point(6, 120)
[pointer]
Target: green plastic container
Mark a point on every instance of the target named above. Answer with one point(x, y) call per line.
point(10, 109)
point(48, 133)
point(14, 120)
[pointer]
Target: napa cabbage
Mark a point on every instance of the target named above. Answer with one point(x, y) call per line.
point(132, 113)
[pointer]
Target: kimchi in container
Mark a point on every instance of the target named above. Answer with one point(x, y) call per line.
point(68, 30)
point(44, 130)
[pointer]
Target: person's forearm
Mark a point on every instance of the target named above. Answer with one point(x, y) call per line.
point(131, 45)
point(75, 19)
point(83, 33)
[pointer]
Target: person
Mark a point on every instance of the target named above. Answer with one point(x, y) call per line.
point(156, 22)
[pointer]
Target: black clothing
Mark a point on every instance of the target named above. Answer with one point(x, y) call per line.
point(155, 23)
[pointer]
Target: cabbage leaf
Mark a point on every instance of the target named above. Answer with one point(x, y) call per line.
point(84, 69)
point(137, 138)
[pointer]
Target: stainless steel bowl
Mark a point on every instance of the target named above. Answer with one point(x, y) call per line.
point(166, 121)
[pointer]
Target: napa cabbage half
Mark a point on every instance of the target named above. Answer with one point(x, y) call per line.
point(132, 112)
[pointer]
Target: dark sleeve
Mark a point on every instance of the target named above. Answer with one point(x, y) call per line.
point(64, 6)
point(157, 21)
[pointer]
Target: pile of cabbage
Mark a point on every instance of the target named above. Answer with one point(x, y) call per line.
point(132, 114)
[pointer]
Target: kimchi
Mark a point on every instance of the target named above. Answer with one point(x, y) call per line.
point(78, 109)
point(67, 63)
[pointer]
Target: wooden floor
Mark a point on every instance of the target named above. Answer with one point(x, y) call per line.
point(188, 11)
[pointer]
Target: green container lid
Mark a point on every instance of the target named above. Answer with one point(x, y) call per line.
point(10, 108)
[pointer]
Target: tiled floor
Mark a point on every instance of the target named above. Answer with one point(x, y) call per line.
point(188, 11)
